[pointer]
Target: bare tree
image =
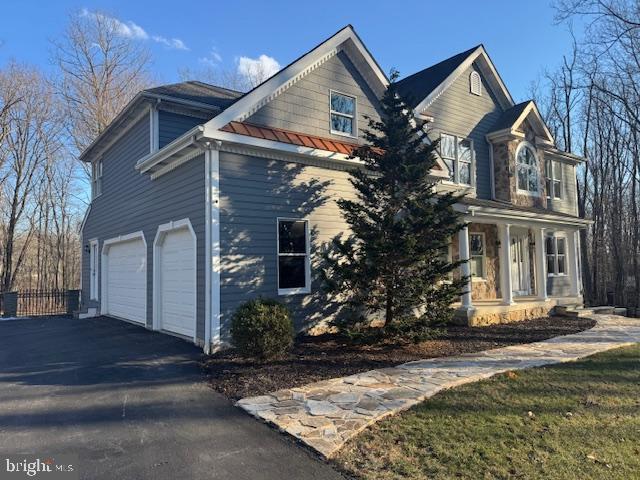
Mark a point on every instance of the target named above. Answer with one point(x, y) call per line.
point(100, 70)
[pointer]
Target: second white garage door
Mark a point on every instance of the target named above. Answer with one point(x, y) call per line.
point(176, 291)
point(126, 280)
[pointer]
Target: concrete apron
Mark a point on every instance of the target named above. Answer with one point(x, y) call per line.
point(324, 415)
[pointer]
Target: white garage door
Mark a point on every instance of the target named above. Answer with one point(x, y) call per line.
point(177, 290)
point(126, 281)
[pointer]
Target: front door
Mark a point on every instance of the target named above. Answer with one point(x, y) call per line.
point(520, 263)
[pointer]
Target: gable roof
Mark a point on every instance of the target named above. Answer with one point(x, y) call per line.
point(513, 117)
point(416, 87)
point(196, 91)
point(423, 87)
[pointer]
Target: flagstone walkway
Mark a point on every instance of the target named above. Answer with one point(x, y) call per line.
point(324, 415)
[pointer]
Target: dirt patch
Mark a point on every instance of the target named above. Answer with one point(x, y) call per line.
point(329, 356)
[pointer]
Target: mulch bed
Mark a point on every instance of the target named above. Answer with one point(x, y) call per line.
point(329, 356)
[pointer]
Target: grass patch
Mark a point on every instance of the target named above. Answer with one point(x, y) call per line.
point(568, 421)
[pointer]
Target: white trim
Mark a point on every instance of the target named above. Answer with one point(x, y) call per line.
point(550, 176)
point(532, 108)
point(94, 269)
point(84, 221)
point(484, 257)
point(286, 77)
point(163, 230)
point(507, 100)
point(519, 191)
point(456, 161)
point(475, 84)
point(212, 249)
point(307, 265)
point(152, 159)
point(465, 268)
point(554, 236)
point(540, 263)
point(506, 283)
point(353, 117)
point(103, 265)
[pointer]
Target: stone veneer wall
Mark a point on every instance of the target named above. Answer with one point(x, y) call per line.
point(504, 166)
point(489, 288)
point(482, 319)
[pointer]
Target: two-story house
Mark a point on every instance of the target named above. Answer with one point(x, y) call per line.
point(204, 197)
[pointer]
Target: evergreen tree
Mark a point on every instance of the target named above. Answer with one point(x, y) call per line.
point(394, 263)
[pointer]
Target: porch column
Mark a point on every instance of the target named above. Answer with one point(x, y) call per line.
point(505, 264)
point(541, 271)
point(465, 268)
point(572, 258)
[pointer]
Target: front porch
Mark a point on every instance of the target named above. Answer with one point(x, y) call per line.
point(518, 268)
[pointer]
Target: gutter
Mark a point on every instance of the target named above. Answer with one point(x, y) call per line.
point(190, 138)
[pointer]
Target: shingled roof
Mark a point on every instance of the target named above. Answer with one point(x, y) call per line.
point(509, 116)
point(201, 92)
point(418, 86)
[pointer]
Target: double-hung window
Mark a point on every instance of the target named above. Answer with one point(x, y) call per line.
point(477, 255)
point(96, 178)
point(457, 154)
point(553, 175)
point(343, 114)
point(556, 249)
point(294, 270)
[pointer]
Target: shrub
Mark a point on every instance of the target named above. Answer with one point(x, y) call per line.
point(262, 328)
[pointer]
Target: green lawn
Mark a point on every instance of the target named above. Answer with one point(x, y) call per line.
point(572, 421)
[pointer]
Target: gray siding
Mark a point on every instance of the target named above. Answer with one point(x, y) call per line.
point(132, 201)
point(568, 203)
point(254, 193)
point(304, 107)
point(458, 112)
point(172, 125)
point(558, 286)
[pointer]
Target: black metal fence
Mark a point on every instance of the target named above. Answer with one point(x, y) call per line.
point(30, 303)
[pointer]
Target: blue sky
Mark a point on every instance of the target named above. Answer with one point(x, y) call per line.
point(520, 36)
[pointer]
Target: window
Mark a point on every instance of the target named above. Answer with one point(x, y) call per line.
point(457, 154)
point(476, 256)
point(475, 83)
point(343, 114)
point(553, 175)
point(527, 169)
point(556, 248)
point(294, 271)
point(96, 178)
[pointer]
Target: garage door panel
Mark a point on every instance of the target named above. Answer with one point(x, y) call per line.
point(126, 280)
point(177, 282)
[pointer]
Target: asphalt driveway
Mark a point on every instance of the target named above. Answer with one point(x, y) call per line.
point(132, 404)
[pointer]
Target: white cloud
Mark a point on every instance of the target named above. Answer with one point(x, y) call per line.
point(129, 29)
point(256, 70)
point(174, 43)
point(212, 59)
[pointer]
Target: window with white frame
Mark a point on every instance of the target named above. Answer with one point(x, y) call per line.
point(556, 250)
point(96, 178)
point(94, 262)
point(475, 83)
point(457, 154)
point(343, 114)
point(553, 175)
point(527, 169)
point(294, 271)
point(477, 255)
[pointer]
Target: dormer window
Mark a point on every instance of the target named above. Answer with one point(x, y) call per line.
point(343, 114)
point(527, 169)
point(475, 83)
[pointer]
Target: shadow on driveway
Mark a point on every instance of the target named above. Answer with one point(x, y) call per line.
point(132, 404)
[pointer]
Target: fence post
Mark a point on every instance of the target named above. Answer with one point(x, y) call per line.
point(10, 304)
point(73, 301)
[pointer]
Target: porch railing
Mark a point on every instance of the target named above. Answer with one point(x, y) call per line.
point(29, 303)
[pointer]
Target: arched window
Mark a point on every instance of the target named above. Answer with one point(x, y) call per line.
point(475, 84)
point(527, 169)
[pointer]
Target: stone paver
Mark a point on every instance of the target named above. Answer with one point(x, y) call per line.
point(324, 415)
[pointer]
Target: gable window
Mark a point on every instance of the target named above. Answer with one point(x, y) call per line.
point(527, 169)
point(556, 250)
point(477, 255)
point(96, 178)
point(553, 176)
point(475, 83)
point(343, 114)
point(457, 154)
point(294, 270)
